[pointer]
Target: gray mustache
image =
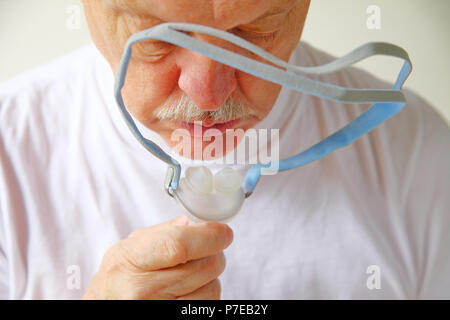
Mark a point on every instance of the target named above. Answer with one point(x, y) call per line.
point(186, 110)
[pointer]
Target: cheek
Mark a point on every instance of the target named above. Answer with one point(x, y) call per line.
point(147, 86)
point(261, 94)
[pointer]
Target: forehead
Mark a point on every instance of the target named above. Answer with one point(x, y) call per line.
point(217, 13)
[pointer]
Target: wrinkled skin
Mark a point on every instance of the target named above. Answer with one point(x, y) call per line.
point(160, 72)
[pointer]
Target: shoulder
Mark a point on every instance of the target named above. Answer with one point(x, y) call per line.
point(50, 74)
point(40, 101)
point(417, 127)
point(400, 158)
point(41, 87)
point(404, 165)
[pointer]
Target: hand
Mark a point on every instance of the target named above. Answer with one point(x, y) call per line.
point(172, 260)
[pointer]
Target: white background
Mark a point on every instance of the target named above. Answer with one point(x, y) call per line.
point(33, 32)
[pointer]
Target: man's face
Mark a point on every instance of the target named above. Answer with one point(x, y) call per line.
point(169, 87)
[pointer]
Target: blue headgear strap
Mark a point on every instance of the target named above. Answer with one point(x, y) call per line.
point(386, 102)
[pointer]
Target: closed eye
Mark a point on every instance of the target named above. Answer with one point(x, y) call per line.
point(256, 36)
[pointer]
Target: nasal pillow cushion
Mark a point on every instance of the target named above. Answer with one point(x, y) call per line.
point(211, 198)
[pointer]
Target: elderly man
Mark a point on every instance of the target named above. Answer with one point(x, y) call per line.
point(83, 212)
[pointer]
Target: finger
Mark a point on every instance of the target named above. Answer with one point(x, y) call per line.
point(180, 221)
point(167, 283)
point(168, 245)
point(210, 291)
point(186, 278)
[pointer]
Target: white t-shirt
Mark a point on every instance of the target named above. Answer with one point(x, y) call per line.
point(371, 220)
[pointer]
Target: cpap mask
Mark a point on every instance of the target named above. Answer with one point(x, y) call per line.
point(220, 197)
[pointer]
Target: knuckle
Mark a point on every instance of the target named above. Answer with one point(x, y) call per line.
point(111, 257)
point(121, 277)
point(175, 249)
point(125, 254)
point(114, 279)
point(120, 258)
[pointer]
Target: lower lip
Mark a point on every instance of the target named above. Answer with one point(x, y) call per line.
point(197, 130)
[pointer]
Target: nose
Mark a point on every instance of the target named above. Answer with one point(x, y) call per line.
point(207, 82)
